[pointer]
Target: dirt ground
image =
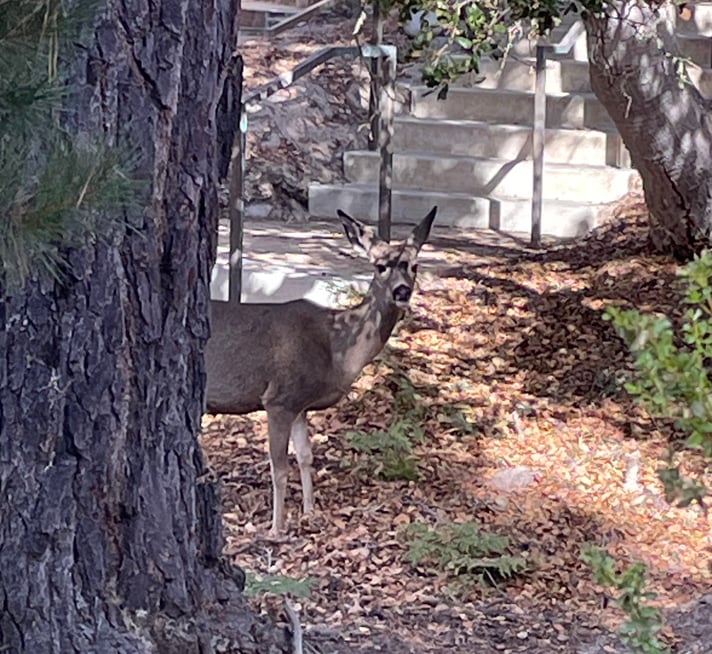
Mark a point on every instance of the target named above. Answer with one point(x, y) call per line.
point(514, 369)
point(300, 133)
point(514, 379)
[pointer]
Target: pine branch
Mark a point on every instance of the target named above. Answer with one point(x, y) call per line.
point(78, 194)
point(54, 195)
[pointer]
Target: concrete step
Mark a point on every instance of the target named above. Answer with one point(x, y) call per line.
point(697, 48)
point(569, 110)
point(575, 77)
point(258, 15)
point(516, 74)
point(484, 177)
point(702, 79)
point(482, 139)
point(693, 38)
point(695, 19)
point(559, 218)
point(283, 8)
point(286, 262)
point(272, 282)
point(525, 47)
point(299, 4)
point(562, 76)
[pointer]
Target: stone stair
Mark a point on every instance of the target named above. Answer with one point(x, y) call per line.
point(260, 18)
point(471, 153)
point(256, 15)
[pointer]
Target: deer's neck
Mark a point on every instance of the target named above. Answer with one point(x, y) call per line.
point(360, 334)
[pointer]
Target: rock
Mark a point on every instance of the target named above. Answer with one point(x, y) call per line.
point(417, 19)
point(514, 478)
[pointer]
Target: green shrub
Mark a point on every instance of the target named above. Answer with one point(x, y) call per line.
point(671, 376)
point(278, 584)
point(644, 622)
point(390, 450)
point(463, 551)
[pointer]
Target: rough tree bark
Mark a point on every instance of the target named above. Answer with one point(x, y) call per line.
point(110, 537)
point(664, 123)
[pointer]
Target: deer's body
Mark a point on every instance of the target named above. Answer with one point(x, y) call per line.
point(293, 357)
point(276, 338)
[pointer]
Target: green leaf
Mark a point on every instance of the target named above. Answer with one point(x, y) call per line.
point(256, 585)
point(55, 194)
point(463, 550)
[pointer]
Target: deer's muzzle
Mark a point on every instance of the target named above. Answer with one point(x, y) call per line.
point(402, 293)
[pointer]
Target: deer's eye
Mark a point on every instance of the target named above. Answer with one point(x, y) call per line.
point(381, 268)
point(414, 268)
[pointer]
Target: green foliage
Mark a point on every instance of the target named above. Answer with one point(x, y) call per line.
point(390, 450)
point(671, 369)
point(471, 29)
point(463, 551)
point(58, 208)
point(459, 417)
point(644, 622)
point(31, 35)
point(53, 192)
point(681, 490)
point(277, 584)
point(474, 29)
point(418, 404)
point(410, 405)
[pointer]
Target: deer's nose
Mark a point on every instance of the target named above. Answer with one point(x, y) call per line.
point(402, 293)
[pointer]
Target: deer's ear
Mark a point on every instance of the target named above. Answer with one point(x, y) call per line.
point(421, 232)
point(359, 235)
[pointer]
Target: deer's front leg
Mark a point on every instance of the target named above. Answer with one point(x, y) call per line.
point(303, 451)
point(280, 423)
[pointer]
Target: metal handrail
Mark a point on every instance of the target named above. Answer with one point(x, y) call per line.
point(384, 108)
point(291, 21)
point(539, 130)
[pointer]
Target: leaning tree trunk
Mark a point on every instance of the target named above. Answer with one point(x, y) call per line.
point(110, 537)
point(664, 122)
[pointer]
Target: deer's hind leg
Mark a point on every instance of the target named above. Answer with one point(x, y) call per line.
point(303, 451)
point(280, 424)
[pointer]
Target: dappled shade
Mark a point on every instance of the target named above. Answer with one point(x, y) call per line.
point(504, 362)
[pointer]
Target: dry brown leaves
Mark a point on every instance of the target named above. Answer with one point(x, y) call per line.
point(513, 343)
point(300, 134)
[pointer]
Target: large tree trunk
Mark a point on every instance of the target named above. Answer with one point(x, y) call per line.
point(664, 123)
point(110, 536)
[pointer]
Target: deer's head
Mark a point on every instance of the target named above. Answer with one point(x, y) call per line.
point(395, 263)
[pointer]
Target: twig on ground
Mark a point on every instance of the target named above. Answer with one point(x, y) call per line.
point(296, 627)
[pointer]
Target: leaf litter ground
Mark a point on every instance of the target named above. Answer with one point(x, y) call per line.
point(511, 368)
point(516, 383)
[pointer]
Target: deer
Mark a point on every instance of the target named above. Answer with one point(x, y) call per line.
point(293, 357)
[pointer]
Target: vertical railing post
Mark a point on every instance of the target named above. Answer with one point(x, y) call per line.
point(237, 209)
point(538, 136)
point(236, 189)
point(385, 146)
point(382, 119)
point(376, 66)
